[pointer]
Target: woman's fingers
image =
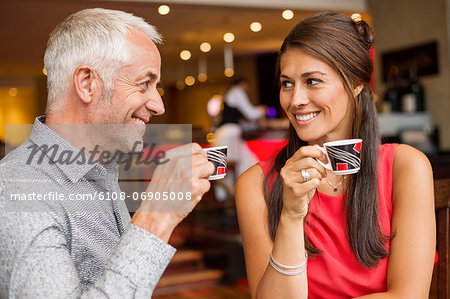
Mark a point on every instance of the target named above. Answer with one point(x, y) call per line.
point(308, 151)
point(295, 167)
point(306, 157)
point(301, 189)
point(299, 177)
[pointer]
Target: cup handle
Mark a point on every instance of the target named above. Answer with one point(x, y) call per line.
point(328, 165)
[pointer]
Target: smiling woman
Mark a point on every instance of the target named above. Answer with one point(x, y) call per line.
point(354, 227)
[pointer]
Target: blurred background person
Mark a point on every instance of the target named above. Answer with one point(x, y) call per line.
point(237, 107)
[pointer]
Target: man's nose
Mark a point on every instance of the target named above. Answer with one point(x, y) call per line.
point(155, 104)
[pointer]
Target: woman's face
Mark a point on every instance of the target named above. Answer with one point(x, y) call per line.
point(314, 98)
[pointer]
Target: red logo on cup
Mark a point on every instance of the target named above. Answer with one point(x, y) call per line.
point(341, 166)
point(357, 147)
point(220, 170)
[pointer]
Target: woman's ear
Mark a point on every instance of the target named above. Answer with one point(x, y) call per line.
point(357, 90)
point(86, 83)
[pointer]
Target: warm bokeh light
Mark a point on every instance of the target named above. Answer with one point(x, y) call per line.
point(202, 77)
point(189, 80)
point(179, 85)
point(12, 91)
point(211, 137)
point(185, 55)
point(255, 26)
point(160, 91)
point(44, 71)
point(228, 37)
point(16, 112)
point(205, 47)
point(229, 72)
point(356, 17)
point(287, 14)
point(163, 10)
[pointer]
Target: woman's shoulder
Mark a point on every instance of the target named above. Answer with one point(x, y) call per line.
point(401, 159)
point(407, 158)
point(249, 191)
point(412, 177)
point(253, 175)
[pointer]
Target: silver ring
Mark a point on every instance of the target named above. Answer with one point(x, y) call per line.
point(305, 175)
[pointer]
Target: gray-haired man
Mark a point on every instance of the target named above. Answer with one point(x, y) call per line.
point(103, 67)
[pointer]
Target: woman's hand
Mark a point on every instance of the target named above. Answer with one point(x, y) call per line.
point(297, 192)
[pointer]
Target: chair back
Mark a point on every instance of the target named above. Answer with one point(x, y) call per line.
point(442, 205)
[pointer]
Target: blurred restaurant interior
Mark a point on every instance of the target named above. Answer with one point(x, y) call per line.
point(207, 44)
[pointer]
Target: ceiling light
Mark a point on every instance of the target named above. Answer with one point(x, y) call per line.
point(163, 10)
point(44, 71)
point(205, 47)
point(255, 26)
point(287, 14)
point(185, 55)
point(228, 37)
point(202, 77)
point(228, 60)
point(189, 80)
point(356, 17)
point(202, 69)
point(229, 72)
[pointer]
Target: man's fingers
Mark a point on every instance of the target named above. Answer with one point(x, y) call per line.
point(199, 187)
point(185, 150)
point(197, 149)
point(205, 170)
point(201, 167)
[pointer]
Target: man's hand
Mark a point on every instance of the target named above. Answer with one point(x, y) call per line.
point(184, 176)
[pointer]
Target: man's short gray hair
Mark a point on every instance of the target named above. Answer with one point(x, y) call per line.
point(96, 37)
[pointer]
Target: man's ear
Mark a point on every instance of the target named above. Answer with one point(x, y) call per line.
point(357, 90)
point(86, 83)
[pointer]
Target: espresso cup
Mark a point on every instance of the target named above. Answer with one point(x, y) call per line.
point(344, 156)
point(217, 156)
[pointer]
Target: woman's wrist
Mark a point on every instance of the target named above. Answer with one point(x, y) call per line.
point(291, 218)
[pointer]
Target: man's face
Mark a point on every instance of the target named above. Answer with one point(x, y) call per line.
point(135, 98)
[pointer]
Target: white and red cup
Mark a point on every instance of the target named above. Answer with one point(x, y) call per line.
point(344, 156)
point(218, 156)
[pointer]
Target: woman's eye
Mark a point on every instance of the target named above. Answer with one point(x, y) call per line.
point(313, 81)
point(286, 84)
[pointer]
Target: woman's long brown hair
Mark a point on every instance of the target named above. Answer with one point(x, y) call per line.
point(343, 44)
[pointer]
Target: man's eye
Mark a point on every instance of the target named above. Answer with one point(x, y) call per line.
point(286, 83)
point(144, 85)
point(313, 81)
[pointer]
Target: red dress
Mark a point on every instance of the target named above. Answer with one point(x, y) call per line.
point(336, 273)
